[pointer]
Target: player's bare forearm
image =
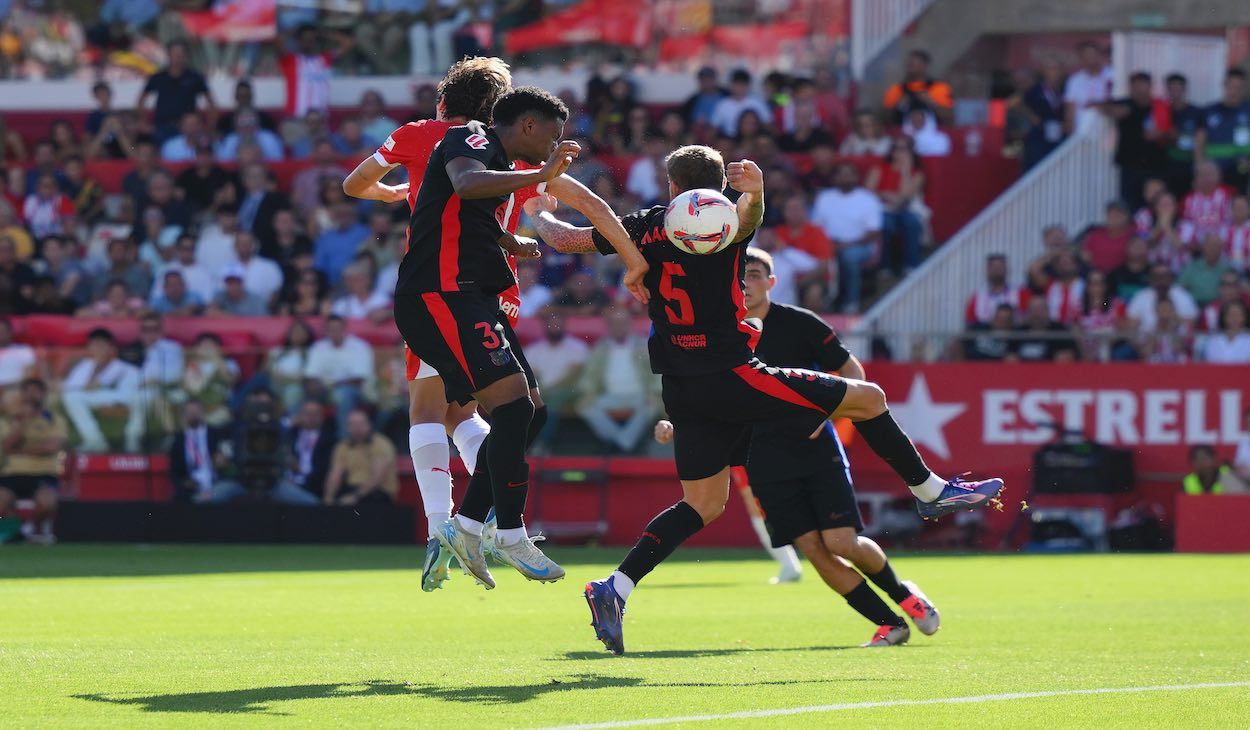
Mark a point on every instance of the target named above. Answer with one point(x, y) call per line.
point(750, 214)
point(562, 236)
point(600, 215)
point(483, 183)
point(365, 183)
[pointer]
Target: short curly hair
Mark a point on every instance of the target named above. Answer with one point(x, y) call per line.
point(472, 86)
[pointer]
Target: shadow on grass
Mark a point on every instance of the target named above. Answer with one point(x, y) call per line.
point(695, 653)
point(258, 700)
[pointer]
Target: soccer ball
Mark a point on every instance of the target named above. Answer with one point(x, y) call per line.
point(701, 221)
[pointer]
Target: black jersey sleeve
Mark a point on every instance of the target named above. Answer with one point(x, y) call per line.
point(637, 224)
point(464, 142)
point(827, 349)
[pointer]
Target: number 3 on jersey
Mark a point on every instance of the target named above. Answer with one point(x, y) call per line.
point(675, 296)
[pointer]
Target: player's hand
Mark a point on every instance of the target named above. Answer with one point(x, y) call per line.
point(541, 203)
point(663, 432)
point(633, 282)
point(560, 160)
point(394, 193)
point(522, 247)
point(745, 177)
point(476, 127)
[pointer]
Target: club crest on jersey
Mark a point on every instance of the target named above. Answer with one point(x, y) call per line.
point(389, 144)
point(476, 141)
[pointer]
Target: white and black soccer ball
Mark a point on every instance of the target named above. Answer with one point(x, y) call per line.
point(701, 221)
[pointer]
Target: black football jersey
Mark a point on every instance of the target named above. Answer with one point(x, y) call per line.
point(794, 337)
point(697, 305)
point(453, 243)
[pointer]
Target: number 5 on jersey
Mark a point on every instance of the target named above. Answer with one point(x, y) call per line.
point(675, 296)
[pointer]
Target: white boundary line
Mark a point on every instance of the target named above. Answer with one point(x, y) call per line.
point(782, 712)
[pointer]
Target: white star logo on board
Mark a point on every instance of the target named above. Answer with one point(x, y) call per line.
point(924, 420)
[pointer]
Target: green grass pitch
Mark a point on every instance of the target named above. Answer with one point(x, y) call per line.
point(241, 636)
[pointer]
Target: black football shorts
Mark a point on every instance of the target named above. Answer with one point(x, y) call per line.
point(712, 414)
point(821, 500)
point(461, 335)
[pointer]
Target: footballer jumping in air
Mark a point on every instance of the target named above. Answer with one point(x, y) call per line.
point(714, 388)
point(447, 307)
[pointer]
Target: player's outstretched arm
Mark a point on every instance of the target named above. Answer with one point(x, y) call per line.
point(471, 179)
point(563, 237)
point(567, 238)
point(601, 216)
point(747, 178)
point(365, 183)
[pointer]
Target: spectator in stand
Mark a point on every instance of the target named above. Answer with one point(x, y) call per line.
point(1230, 345)
point(103, 382)
point(102, 93)
point(47, 211)
point(205, 185)
point(214, 250)
point(740, 99)
point(306, 296)
point(1066, 291)
point(1208, 207)
point(284, 365)
point(33, 440)
point(45, 162)
point(638, 129)
point(1209, 476)
point(177, 89)
point(793, 269)
point(123, 267)
point(308, 70)
point(824, 169)
point(1041, 340)
point(160, 193)
point(984, 304)
point(1181, 135)
point(175, 299)
point(340, 369)
point(350, 140)
point(1225, 138)
point(1140, 121)
point(1170, 238)
point(261, 276)
point(307, 183)
point(260, 203)
point(156, 239)
point(1090, 85)
point(115, 303)
point(852, 218)
point(309, 451)
point(198, 279)
point(359, 300)
point(430, 38)
point(1042, 106)
point(162, 367)
point(1230, 290)
point(991, 339)
point(64, 140)
point(1133, 275)
point(929, 141)
point(198, 458)
point(750, 129)
point(244, 98)
point(337, 246)
point(135, 183)
point(1201, 276)
point(19, 276)
point(118, 139)
point(1238, 234)
point(581, 295)
point(17, 362)
point(647, 173)
point(1055, 242)
point(288, 241)
point(60, 262)
point(247, 130)
point(191, 135)
point(534, 296)
point(804, 131)
point(557, 360)
point(900, 182)
point(918, 90)
point(209, 378)
point(701, 106)
point(362, 467)
point(377, 126)
point(1142, 308)
point(303, 134)
point(1171, 340)
point(866, 139)
point(798, 232)
point(617, 388)
point(234, 300)
point(1101, 322)
point(85, 192)
point(1105, 245)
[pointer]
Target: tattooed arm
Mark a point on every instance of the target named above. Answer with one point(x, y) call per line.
point(556, 233)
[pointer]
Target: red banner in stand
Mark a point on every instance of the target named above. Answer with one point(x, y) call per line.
point(593, 21)
point(993, 417)
point(239, 22)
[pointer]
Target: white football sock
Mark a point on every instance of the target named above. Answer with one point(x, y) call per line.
point(470, 525)
point(623, 585)
point(468, 438)
point(427, 445)
point(930, 489)
point(511, 535)
point(784, 555)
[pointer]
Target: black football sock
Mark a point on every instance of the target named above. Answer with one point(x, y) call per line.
point(892, 445)
point(666, 531)
point(505, 455)
point(888, 582)
point(865, 600)
point(478, 498)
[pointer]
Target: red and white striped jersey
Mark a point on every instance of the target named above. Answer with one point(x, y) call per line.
point(984, 301)
point(1065, 300)
point(1238, 238)
point(307, 82)
point(1208, 211)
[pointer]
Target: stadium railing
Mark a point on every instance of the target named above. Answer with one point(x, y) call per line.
point(875, 24)
point(1069, 188)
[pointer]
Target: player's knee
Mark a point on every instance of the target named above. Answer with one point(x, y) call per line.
point(708, 506)
point(841, 543)
point(810, 545)
point(865, 400)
